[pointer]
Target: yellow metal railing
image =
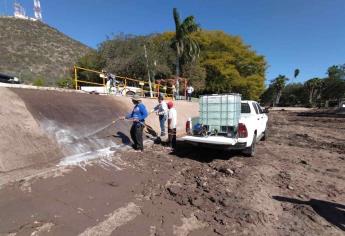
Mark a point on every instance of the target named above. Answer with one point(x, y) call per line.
point(126, 82)
point(76, 80)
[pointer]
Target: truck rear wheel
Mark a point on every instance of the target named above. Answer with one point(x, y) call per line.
point(250, 151)
point(264, 137)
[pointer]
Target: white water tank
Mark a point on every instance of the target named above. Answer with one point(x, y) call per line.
point(220, 110)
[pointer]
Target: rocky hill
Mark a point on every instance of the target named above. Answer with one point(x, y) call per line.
point(32, 50)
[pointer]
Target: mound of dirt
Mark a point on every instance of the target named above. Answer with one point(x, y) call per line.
point(78, 122)
point(23, 142)
point(42, 126)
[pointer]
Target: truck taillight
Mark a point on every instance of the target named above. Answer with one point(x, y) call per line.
point(242, 131)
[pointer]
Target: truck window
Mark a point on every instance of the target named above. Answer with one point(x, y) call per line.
point(4, 78)
point(245, 108)
point(259, 108)
point(255, 108)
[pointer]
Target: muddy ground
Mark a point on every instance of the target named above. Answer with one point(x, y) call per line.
point(293, 186)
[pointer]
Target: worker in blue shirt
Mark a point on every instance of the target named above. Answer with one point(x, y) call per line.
point(138, 116)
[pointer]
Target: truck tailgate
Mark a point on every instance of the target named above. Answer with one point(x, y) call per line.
point(217, 140)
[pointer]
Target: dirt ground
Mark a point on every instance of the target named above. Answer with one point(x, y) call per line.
point(293, 186)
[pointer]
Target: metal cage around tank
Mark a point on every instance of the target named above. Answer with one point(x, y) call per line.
point(220, 111)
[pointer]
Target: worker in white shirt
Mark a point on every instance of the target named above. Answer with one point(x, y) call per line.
point(190, 90)
point(108, 84)
point(162, 111)
point(172, 121)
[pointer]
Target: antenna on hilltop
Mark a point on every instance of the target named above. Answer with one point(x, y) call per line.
point(37, 9)
point(19, 11)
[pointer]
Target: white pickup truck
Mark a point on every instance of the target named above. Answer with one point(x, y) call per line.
point(252, 127)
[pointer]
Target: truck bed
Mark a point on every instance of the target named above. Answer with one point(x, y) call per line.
point(210, 140)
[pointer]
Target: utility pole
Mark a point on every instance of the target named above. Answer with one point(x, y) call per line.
point(154, 71)
point(148, 71)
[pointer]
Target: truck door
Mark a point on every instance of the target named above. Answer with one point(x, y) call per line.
point(262, 118)
point(257, 119)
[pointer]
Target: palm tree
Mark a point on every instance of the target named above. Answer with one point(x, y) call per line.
point(183, 43)
point(333, 71)
point(314, 87)
point(296, 73)
point(278, 84)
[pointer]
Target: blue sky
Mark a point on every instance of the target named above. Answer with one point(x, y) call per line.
point(304, 34)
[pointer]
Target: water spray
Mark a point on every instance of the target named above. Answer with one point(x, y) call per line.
point(101, 129)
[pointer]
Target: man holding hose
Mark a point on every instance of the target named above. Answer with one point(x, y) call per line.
point(138, 116)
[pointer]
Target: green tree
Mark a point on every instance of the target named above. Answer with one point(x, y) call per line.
point(124, 56)
point(294, 94)
point(315, 91)
point(334, 85)
point(187, 49)
point(314, 87)
point(230, 65)
point(333, 89)
point(278, 84)
point(93, 61)
point(336, 72)
point(196, 75)
point(267, 96)
point(225, 64)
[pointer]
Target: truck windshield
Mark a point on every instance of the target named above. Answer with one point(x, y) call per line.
point(245, 108)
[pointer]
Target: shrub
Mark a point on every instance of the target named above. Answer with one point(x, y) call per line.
point(38, 82)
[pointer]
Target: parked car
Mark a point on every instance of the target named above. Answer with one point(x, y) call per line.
point(239, 129)
point(129, 90)
point(120, 90)
point(9, 79)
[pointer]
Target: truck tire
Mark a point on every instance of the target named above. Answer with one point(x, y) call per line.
point(264, 137)
point(250, 151)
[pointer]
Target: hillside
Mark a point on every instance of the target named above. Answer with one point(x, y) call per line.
point(32, 50)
